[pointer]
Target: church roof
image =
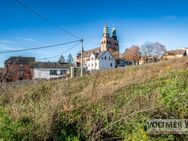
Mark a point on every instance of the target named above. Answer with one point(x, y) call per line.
point(105, 29)
point(89, 52)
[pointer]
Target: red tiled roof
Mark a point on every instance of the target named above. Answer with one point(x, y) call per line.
point(87, 53)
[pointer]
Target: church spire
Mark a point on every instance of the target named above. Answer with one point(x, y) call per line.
point(114, 35)
point(106, 31)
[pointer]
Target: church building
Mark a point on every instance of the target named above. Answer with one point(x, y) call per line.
point(108, 42)
point(109, 45)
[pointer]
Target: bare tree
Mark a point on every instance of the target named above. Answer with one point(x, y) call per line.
point(132, 54)
point(151, 49)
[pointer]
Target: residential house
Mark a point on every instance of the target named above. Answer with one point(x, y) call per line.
point(49, 70)
point(86, 56)
point(18, 68)
point(174, 54)
point(100, 61)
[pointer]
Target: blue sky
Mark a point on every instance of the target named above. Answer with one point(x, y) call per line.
point(137, 21)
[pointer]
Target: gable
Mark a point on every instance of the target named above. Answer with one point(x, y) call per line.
point(92, 56)
point(106, 55)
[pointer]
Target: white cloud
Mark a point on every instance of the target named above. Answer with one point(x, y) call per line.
point(6, 42)
point(26, 39)
point(6, 47)
point(30, 40)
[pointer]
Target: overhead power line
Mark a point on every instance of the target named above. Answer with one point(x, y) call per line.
point(42, 47)
point(45, 18)
point(60, 54)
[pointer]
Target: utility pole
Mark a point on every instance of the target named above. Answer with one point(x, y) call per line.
point(82, 42)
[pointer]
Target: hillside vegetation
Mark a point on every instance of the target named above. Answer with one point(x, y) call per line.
point(107, 104)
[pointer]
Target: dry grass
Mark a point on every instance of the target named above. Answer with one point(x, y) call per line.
point(44, 102)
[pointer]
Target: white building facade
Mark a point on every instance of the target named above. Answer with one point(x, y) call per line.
point(49, 70)
point(100, 61)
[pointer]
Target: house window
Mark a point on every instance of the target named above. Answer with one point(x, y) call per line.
point(105, 57)
point(92, 65)
point(53, 72)
point(62, 72)
point(109, 58)
point(102, 58)
point(110, 64)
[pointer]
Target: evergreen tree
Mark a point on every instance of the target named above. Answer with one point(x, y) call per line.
point(70, 59)
point(61, 59)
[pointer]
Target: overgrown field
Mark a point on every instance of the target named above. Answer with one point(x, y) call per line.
point(107, 104)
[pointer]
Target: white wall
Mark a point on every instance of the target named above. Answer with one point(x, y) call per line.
point(93, 65)
point(101, 63)
point(44, 73)
point(106, 64)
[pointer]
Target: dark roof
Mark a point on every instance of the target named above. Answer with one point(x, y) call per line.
point(176, 52)
point(98, 55)
point(49, 65)
point(19, 60)
point(101, 54)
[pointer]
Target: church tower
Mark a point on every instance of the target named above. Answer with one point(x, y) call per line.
point(115, 42)
point(106, 40)
point(109, 42)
